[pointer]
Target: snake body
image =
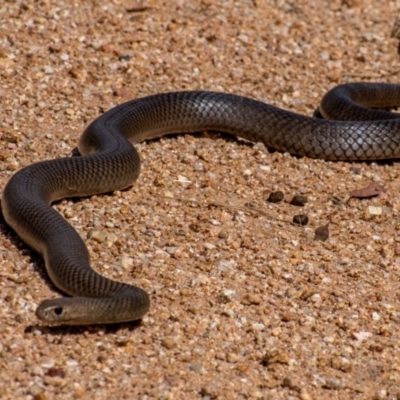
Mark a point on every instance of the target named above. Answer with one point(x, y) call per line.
point(109, 162)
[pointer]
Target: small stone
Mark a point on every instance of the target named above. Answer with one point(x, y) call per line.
point(341, 364)
point(158, 181)
point(13, 165)
point(204, 155)
point(395, 316)
point(97, 236)
point(333, 384)
point(196, 367)
point(223, 234)
point(183, 179)
point(122, 341)
point(306, 294)
point(68, 213)
point(79, 392)
point(37, 371)
point(361, 336)
point(168, 342)
point(198, 166)
point(243, 38)
point(72, 363)
point(258, 326)
point(232, 358)
point(297, 255)
point(372, 210)
point(375, 316)
point(247, 172)
point(11, 137)
point(249, 299)
point(275, 197)
point(300, 219)
point(380, 395)
point(226, 296)
point(54, 381)
point(126, 262)
point(299, 200)
point(56, 372)
point(48, 363)
point(55, 48)
point(289, 316)
point(75, 73)
point(376, 347)
point(210, 390)
point(40, 396)
point(275, 356)
point(291, 383)
point(304, 395)
point(228, 312)
point(276, 331)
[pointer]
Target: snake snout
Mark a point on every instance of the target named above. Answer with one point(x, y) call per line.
point(60, 311)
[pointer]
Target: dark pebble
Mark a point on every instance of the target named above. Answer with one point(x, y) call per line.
point(56, 372)
point(275, 197)
point(299, 200)
point(300, 219)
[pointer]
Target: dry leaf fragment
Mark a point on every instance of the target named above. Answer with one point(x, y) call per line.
point(322, 233)
point(373, 189)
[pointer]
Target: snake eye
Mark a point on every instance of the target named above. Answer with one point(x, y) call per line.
point(58, 310)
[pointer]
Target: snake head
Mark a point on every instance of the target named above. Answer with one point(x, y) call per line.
point(95, 310)
point(64, 311)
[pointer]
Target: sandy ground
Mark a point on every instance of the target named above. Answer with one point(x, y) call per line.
point(245, 304)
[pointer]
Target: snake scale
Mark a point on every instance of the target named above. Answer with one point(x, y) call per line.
point(108, 162)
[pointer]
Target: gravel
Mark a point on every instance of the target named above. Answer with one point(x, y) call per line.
point(245, 305)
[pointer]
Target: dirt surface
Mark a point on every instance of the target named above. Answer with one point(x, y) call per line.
point(245, 304)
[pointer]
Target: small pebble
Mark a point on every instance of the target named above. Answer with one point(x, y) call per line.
point(275, 197)
point(226, 296)
point(126, 262)
point(251, 299)
point(380, 395)
point(374, 210)
point(299, 200)
point(98, 236)
point(300, 219)
point(395, 316)
point(333, 384)
point(168, 343)
point(274, 356)
point(304, 395)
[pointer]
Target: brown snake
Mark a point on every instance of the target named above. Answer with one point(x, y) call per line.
point(109, 162)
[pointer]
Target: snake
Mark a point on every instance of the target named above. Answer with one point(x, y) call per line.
point(353, 126)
